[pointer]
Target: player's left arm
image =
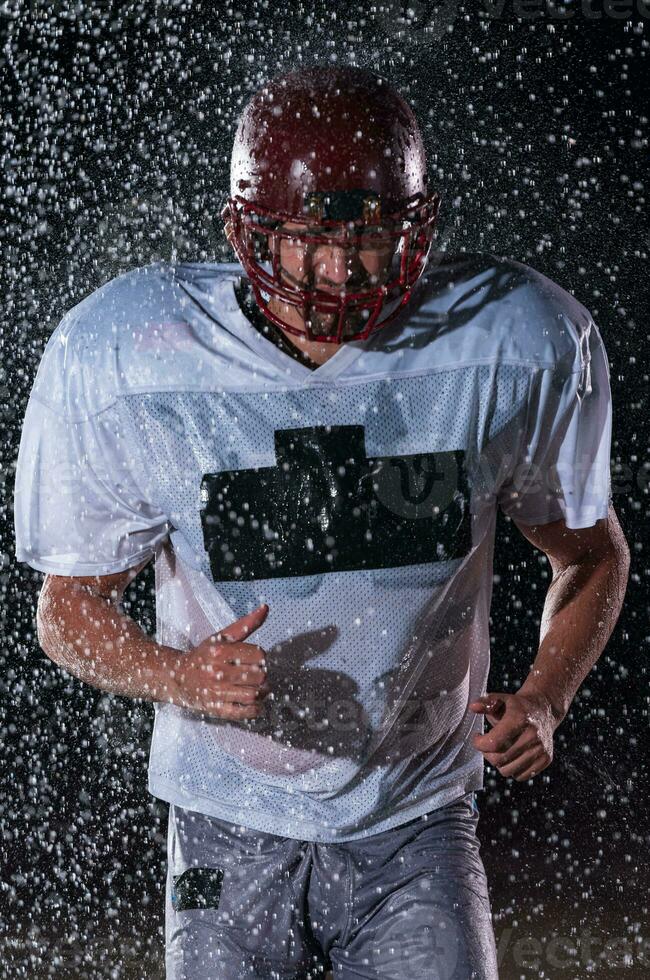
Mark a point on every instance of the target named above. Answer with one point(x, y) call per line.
point(590, 572)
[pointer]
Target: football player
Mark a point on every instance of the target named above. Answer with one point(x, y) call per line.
point(312, 442)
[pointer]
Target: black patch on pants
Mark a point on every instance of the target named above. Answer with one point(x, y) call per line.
point(197, 888)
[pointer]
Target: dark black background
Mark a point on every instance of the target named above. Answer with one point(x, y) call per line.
point(118, 122)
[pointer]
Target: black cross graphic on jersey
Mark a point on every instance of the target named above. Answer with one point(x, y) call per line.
point(326, 507)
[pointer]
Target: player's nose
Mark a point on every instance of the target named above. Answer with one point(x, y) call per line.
point(336, 265)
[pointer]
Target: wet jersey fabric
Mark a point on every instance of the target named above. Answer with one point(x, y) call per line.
point(357, 499)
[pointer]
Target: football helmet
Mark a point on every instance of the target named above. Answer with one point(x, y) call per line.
point(338, 152)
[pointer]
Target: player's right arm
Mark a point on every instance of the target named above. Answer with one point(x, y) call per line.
point(84, 506)
point(82, 628)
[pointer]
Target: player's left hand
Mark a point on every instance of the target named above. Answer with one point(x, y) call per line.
point(520, 744)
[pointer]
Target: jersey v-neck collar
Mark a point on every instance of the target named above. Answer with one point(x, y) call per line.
point(290, 366)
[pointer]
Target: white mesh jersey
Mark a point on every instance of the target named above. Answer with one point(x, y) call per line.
point(358, 500)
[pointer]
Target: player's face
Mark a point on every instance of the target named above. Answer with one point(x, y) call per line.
point(334, 269)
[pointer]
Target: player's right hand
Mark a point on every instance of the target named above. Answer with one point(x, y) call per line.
point(224, 676)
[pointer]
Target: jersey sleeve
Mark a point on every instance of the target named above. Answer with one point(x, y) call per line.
point(561, 469)
point(78, 504)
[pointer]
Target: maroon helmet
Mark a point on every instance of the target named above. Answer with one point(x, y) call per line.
point(340, 152)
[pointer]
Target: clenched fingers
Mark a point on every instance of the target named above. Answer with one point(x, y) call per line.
point(232, 711)
point(230, 673)
point(237, 693)
point(236, 653)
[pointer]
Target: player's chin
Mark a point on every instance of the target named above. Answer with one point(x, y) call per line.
point(327, 324)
